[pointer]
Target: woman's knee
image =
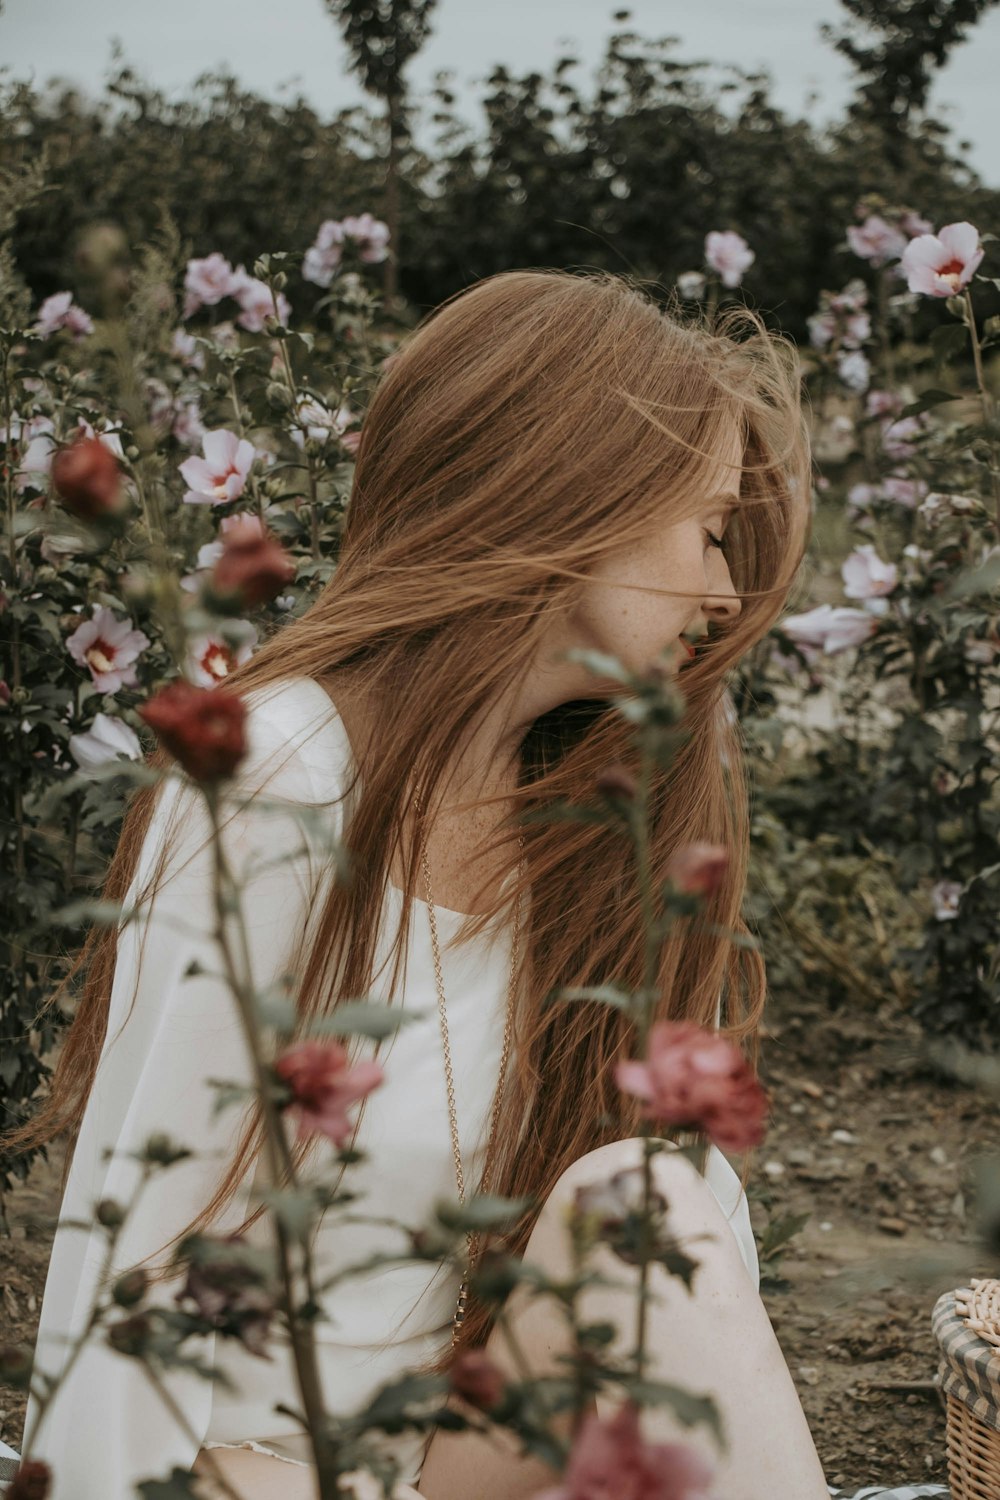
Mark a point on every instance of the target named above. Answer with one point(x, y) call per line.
point(612, 1175)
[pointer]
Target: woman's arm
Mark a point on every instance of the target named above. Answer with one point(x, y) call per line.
point(107, 1428)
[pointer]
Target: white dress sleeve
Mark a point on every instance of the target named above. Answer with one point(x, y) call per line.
point(108, 1428)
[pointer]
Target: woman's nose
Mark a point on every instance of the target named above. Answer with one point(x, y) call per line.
point(724, 605)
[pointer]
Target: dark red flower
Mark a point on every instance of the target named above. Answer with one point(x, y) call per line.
point(32, 1481)
point(204, 729)
point(87, 478)
point(254, 566)
point(475, 1378)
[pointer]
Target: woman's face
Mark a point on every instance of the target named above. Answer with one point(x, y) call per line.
point(637, 623)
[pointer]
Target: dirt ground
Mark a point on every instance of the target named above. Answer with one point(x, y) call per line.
point(879, 1154)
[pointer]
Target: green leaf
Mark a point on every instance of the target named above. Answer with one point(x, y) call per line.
point(605, 994)
point(484, 1211)
point(93, 910)
point(778, 1233)
point(363, 1018)
point(949, 339)
point(926, 401)
point(673, 1259)
point(687, 1407)
point(179, 1486)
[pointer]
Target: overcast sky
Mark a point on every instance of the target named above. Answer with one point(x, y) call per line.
point(271, 45)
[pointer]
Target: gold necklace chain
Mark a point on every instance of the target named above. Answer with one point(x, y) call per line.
point(472, 1239)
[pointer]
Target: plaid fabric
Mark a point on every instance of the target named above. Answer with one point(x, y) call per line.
point(970, 1367)
point(900, 1492)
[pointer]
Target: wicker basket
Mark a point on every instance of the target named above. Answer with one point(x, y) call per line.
point(966, 1325)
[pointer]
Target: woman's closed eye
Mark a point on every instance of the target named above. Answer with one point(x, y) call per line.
point(714, 540)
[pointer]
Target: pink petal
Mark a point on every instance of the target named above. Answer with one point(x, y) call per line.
point(220, 448)
point(197, 473)
point(634, 1078)
point(244, 457)
point(961, 241)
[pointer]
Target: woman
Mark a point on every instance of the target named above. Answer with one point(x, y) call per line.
point(551, 462)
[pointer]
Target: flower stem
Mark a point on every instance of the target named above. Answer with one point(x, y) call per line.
point(990, 420)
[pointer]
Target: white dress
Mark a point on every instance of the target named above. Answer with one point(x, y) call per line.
point(108, 1429)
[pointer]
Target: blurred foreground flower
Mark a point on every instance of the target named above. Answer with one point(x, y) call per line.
point(253, 567)
point(611, 1460)
point(108, 648)
point(88, 479)
point(32, 1481)
point(221, 475)
point(104, 741)
point(202, 728)
point(323, 1084)
point(697, 869)
point(697, 1080)
point(475, 1377)
point(230, 1292)
point(940, 265)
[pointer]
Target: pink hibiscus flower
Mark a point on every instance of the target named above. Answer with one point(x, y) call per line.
point(696, 1079)
point(108, 648)
point(222, 474)
point(940, 265)
point(206, 282)
point(210, 659)
point(323, 1084)
point(60, 311)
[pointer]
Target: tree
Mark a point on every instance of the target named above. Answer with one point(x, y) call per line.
point(896, 46)
point(382, 36)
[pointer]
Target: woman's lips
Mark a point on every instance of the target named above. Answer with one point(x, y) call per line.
point(689, 648)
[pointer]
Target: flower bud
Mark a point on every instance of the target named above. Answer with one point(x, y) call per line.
point(131, 1335)
point(130, 1289)
point(110, 1213)
point(87, 478)
point(15, 1366)
point(32, 1481)
point(202, 728)
point(475, 1378)
point(615, 780)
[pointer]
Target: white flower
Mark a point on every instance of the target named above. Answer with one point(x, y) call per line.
point(728, 254)
point(831, 628)
point(222, 474)
point(946, 896)
point(104, 741)
point(691, 285)
point(854, 370)
point(866, 576)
